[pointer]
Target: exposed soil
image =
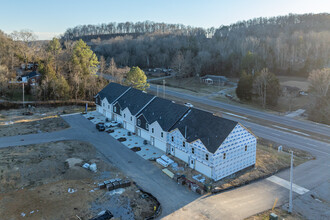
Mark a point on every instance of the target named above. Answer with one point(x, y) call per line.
point(43, 119)
point(46, 181)
point(282, 214)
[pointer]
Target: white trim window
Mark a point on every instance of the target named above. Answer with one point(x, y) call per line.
point(115, 109)
point(139, 122)
point(147, 127)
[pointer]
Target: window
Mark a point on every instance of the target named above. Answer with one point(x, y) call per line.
point(152, 130)
point(193, 150)
point(161, 134)
point(245, 148)
point(131, 118)
point(124, 115)
point(103, 104)
point(172, 138)
point(115, 109)
point(108, 106)
point(224, 155)
point(147, 126)
point(139, 122)
point(206, 157)
point(183, 144)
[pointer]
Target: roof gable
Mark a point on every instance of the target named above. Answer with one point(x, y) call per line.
point(210, 129)
point(134, 100)
point(164, 111)
point(112, 91)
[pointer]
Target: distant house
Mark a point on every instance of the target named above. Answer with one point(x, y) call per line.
point(32, 78)
point(214, 146)
point(215, 80)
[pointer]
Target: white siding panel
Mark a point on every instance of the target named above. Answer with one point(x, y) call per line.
point(145, 134)
point(119, 119)
point(160, 144)
point(181, 155)
point(204, 169)
point(130, 127)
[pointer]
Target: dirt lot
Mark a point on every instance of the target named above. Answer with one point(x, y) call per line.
point(43, 119)
point(46, 181)
point(282, 214)
point(268, 161)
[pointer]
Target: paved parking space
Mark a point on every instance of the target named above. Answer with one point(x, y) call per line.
point(146, 151)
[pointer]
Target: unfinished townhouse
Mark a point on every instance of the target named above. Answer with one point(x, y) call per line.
point(212, 145)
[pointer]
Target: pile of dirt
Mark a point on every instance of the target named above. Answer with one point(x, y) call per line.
point(47, 181)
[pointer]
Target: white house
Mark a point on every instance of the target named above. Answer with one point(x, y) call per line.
point(128, 106)
point(155, 120)
point(107, 96)
point(214, 146)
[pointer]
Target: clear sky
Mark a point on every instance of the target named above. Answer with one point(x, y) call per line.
point(48, 18)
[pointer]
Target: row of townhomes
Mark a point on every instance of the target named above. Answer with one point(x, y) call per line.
point(214, 146)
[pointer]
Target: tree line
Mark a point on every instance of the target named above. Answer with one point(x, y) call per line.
point(131, 28)
point(287, 45)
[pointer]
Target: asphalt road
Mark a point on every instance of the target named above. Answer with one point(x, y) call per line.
point(302, 125)
point(178, 202)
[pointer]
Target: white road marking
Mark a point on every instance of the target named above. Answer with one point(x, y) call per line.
point(71, 114)
point(298, 132)
point(286, 184)
point(236, 115)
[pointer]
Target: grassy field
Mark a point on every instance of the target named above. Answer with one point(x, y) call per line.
point(192, 84)
point(285, 104)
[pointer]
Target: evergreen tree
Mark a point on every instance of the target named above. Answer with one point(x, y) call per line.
point(137, 79)
point(244, 86)
point(84, 59)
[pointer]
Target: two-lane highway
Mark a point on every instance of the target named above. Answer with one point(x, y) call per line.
point(286, 121)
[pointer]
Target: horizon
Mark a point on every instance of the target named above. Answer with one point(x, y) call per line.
point(48, 24)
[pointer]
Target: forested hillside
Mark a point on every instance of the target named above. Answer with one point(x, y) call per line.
point(287, 45)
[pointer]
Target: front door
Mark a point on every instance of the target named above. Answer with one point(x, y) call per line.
point(152, 141)
point(172, 151)
point(125, 124)
point(192, 163)
point(138, 131)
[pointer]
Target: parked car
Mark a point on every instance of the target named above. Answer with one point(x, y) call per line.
point(188, 104)
point(100, 126)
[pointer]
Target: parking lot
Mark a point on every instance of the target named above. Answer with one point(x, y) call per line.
point(129, 139)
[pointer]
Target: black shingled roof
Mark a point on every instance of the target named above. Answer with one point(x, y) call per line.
point(164, 111)
point(210, 129)
point(112, 91)
point(135, 100)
